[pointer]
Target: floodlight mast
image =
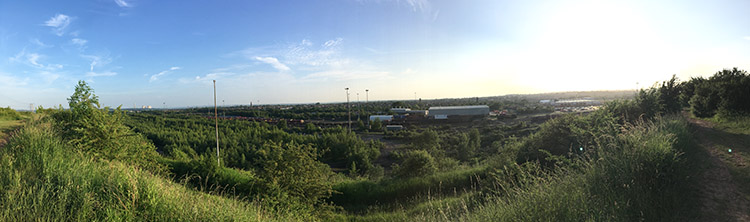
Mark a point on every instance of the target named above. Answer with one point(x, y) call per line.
point(216, 120)
point(348, 109)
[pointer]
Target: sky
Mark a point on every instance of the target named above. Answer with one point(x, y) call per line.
point(166, 53)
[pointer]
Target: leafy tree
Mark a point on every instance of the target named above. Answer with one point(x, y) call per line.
point(669, 96)
point(376, 126)
point(427, 140)
point(416, 163)
point(101, 132)
point(292, 169)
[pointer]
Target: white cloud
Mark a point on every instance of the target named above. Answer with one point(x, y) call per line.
point(97, 60)
point(156, 76)
point(123, 3)
point(747, 38)
point(273, 62)
point(328, 54)
point(332, 42)
point(40, 43)
point(33, 60)
point(79, 42)
point(58, 23)
point(97, 74)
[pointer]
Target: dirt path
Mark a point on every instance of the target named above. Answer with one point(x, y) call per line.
point(721, 196)
point(6, 129)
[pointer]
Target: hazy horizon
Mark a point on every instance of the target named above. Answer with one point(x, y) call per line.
point(298, 52)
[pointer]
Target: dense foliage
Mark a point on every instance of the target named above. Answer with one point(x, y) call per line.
point(727, 92)
point(101, 132)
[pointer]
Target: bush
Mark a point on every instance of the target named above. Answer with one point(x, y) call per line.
point(566, 135)
point(9, 114)
point(416, 163)
point(101, 132)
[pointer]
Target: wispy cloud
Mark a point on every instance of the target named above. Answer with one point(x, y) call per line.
point(59, 23)
point(33, 60)
point(40, 43)
point(273, 62)
point(79, 42)
point(747, 38)
point(333, 42)
point(97, 60)
point(98, 74)
point(156, 76)
point(123, 3)
point(423, 7)
point(306, 53)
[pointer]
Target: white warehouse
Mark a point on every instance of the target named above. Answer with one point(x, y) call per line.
point(445, 111)
point(384, 118)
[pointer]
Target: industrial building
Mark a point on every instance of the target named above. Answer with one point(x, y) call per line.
point(400, 110)
point(383, 118)
point(444, 112)
point(576, 103)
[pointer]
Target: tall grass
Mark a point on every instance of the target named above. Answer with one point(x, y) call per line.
point(359, 195)
point(637, 175)
point(42, 178)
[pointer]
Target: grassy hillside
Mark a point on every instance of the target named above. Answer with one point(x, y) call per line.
point(636, 175)
point(42, 177)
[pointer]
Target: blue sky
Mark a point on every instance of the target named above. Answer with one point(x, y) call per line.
point(138, 52)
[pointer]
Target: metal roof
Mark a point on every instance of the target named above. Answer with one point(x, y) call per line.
point(459, 107)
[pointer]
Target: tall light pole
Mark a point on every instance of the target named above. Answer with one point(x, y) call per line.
point(348, 109)
point(216, 119)
point(367, 103)
point(359, 107)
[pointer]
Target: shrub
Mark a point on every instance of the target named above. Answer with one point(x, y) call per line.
point(416, 163)
point(101, 132)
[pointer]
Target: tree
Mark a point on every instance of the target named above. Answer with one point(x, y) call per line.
point(101, 132)
point(669, 96)
point(416, 163)
point(427, 140)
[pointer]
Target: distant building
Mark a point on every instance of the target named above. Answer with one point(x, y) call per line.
point(577, 103)
point(400, 110)
point(382, 118)
point(448, 111)
point(394, 127)
point(418, 112)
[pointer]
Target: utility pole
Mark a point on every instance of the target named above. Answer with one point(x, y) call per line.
point(216, 119)
point(348, 109)
point(367, 103)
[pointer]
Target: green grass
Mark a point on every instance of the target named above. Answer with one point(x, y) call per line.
point(41, 178)
point(7, 126)
point(639, 175)
point(366, 195)
point(733, 133)
point(732, 124)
